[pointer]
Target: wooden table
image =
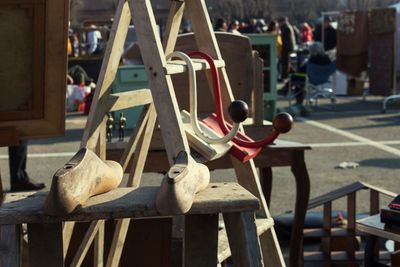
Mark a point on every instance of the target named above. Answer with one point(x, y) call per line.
point(281, 154)
point(375, 228)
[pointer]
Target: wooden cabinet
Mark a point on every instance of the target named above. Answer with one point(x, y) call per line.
point(33, 64)
point(130, 77)
point(265, 44)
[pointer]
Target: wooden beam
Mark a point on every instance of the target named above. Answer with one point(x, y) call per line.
point(10, 245)
point(112, 56)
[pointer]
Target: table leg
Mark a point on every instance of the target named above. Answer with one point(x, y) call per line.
point(266, 183)
point(300, 173)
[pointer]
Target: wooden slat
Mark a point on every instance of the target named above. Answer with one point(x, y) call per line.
point(133, 139)
point(173, 25)
point(335, 232)
point(326, 245)
point(224, 250)
point(372, 225)
point(112, 56)
point(339, 256)
point(336, 194)
point(99, 246)
point(179, 66)
point(258, 90)
point(86, 242)
point(201, 240)
point(125, 203)
point(45, 244)
point(10, 245)
point(243, 239)
point(373, 202)
point(142, 150)
point(129, 99)
point(380, 190)
point(118, 242)
point(161, 85)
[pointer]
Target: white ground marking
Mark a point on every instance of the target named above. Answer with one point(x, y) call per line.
point(355, 137)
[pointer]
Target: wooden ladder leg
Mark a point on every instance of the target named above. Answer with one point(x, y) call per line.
point(243, 240)
point(161, 85)
point(247, 177)
point(45, 245)
point(112, 56)
point(201, 240)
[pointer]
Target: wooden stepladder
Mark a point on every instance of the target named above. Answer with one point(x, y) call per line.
point(160, 101)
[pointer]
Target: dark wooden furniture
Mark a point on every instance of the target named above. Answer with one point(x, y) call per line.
point(374, 228)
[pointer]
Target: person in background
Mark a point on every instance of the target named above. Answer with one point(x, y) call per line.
point(19, 178)
point(273, 28)
point(317, 57)
point(234, 27)
point(95, 41)
point(221, 25)
point(306, 34)
point(329, 34)
point(288, 45)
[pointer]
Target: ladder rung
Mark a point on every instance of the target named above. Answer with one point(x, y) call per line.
point(179, 66)
point(130, 99)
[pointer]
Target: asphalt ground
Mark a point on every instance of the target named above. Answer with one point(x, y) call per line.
point(352, 130)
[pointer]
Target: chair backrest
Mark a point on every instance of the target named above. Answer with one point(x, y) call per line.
point(319, 74)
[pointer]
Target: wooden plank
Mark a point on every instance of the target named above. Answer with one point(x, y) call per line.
point(243, 239)
point(99, 246)
point(86, 243)
point(326, 245)
point(118, 242)
point(112, 56)
point(142, 149)
point(134, 138)
point(335, 194)
point(258, 90)
point(201, 240)
point(45, 245)
point(130, 99)
point(173, 25)
point(224, 250)
point(372, 225)
point(160, 84)
point(351, 226)
point(179, 66)
point(339, 256)
point(373, 202)
point(10, 245)
point(26, 207)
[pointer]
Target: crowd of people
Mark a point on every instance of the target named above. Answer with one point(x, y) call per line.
point(315, 39)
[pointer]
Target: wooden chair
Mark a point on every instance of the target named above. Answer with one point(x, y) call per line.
point(347, 251)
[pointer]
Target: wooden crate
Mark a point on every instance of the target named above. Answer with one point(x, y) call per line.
point(33, 62)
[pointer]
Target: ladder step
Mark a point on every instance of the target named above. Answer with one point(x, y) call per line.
point(179, 66)
point(224, 250)
point(129, 99)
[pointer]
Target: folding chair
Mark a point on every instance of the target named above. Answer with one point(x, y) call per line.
point(318, 82)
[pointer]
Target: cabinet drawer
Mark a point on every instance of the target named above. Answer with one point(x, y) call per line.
point(128, 75)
